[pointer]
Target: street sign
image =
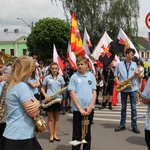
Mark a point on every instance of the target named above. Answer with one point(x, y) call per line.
point(147, 20)
point(149, 38)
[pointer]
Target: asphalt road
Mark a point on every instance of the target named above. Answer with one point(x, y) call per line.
point(103, 135)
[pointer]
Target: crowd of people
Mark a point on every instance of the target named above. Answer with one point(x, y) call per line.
point(26, 82)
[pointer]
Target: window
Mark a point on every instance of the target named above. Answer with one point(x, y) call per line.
point(142, 54)
point(12, 52)
point(24, 51)
point(3, 50)
point(147, 54)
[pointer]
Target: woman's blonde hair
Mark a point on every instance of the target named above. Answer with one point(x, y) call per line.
point(21, 70)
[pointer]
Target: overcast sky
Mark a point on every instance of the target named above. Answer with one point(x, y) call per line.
point(34, 10)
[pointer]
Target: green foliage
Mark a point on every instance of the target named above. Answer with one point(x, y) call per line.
point(45, 33)
point(88, 14)
point(104, 15)
point(124, 14)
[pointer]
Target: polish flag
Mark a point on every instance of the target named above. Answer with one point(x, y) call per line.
point(86, 42)
point(116, 61)
point(91, 65)
point(58, 60)
point(71, 58)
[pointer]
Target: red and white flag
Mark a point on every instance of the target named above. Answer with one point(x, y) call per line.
point(86, 42)
point(102, 47)
point(58, 60)
point(102, 51)
point(124, 40)
point(116, 61)
point(91, 65)
point(71, 58)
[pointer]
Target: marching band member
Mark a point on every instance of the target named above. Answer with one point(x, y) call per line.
point(34, 83)
point(124, 70)
point(82, 87)
point(3, 77)
point(108, 80)
point(53, 83)
point(146, 100)
point(139, 80)
point(22, 107)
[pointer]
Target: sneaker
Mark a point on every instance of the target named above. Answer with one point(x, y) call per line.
point(102, 107)
point(110, 107)
point(120, 128)
point(138, 103)
point(92, 122)
point(136, 130)
point(68, 108)
point(63, 111)
point(98, 103)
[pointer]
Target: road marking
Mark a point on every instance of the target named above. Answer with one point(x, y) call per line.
point(116, 120)
point(115, 114)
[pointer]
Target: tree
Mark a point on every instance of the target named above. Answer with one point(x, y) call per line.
point(100, 15)
point(88, 14)
point(45, 33)
point(124, 14)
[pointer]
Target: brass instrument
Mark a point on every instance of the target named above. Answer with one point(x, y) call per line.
point(6, 58)
point(3, 108)
point(40, 124)
point(84, 123)
point(126, 84)
point(84, 129)
point(46, 103)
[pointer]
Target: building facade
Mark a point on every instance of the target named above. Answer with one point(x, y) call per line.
point(143, 48)
point(14, 43)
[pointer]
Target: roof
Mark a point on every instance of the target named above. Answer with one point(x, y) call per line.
point(140, 47)
point(11, 36)
point(143, 42)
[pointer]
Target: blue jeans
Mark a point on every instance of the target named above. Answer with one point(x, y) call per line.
point(124, 96)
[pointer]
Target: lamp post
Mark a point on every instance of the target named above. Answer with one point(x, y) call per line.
point(30, 26)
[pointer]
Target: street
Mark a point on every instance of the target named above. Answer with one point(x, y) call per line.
point(103, 135)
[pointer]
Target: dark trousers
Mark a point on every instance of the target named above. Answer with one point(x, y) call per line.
point(147, 138)
point(27, 144)
point(97, 92)
point(77, 130)
point(2, 128)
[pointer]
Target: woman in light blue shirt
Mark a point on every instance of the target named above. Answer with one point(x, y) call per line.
point(22, 107)
point(53, 83)
point(34, 82)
